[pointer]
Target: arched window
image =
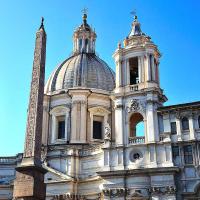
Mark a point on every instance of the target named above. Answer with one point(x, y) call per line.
point(185, 123)
point(199, 121)
point(134, 75)
point(136, 125)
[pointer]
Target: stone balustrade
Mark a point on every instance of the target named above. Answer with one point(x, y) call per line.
point(136, 140)
point(4, 160)
point(10, 159)
point(134, 87)
point(165, 137)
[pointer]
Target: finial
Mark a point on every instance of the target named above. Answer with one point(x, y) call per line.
point(119, 45)
point(134, 14)
point(42, 23)
point(84, 11)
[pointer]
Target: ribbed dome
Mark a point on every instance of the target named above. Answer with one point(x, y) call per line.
point(81, 70)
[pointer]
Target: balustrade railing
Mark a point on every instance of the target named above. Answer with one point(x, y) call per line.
point(136, 140)
point(133, 87)
point(10, 159)
point(7, 159)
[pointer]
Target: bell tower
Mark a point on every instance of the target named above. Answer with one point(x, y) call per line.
point(137, 89)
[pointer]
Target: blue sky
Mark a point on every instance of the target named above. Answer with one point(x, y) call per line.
point(174, 26)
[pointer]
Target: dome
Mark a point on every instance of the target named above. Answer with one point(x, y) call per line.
point(84, 68)
point(81, 70)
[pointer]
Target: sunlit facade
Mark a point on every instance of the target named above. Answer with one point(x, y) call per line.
point(108, 135)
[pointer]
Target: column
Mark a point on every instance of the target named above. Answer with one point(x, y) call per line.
point(53, 129)
point(118, 74)
point(91, 118)
point(178, 127)
point(140, 69)
point(152, 123)
point(166, 123)
point(83, 122)
point(119, 122)
point(124, 73)
point(66, 125)
point(127, 72)
point(73, 122)
point(106, 158)
point(191, 127)
point(152, 68)
point(143, 68)
point(148, 68)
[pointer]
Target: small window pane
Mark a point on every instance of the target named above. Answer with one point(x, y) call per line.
point(61, 129)
point(185, 123)
point(173, 127)
point(199, 121)
point(175, 151)
point(97, 130)
point(188, 154)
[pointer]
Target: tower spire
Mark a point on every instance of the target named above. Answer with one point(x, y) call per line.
point(29, 183)
point(136, 29)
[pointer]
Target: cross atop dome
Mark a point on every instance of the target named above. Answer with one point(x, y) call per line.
point(85, 11)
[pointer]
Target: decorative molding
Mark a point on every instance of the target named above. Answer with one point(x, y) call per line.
point(116, 192)
point(107, 132)
point(136, 105)
point(68, 197)
point(58, 110)
point(99, 110)
point(163, 190)
point(79, 102)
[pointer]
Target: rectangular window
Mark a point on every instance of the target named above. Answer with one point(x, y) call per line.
point(188, 157)
point(173, 127)
point(175, 151)
point(97, 130)
point(61, 129)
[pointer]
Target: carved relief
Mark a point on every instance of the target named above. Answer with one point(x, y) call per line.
point(116, 192)
point(136, 105)
point(107, 135)
point(163, 190)
point(69, 197)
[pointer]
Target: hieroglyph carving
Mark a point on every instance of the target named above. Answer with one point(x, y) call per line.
point(35, 111)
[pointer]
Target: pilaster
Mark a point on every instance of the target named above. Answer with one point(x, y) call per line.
point(191, 127)
point(79, 115)
point(178, 127)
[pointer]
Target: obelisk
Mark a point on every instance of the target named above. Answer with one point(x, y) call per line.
point(29, 183)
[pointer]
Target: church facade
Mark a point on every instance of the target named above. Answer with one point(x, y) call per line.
point(107, 135)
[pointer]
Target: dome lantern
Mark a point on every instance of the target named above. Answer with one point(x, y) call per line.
point(84, 38)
